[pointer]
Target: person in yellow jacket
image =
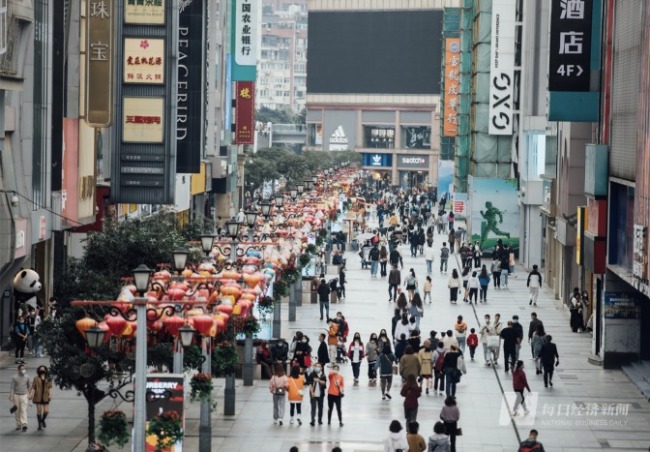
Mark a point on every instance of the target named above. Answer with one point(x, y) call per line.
point(295, 395)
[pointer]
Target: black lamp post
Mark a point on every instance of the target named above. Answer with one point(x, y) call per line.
point(95, 337)
point(180, 258)
point(251, 220)
point(279, 200)
point(207, 242)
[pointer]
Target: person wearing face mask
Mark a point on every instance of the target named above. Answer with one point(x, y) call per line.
point(335, 393)
point(519, 330)
point(323, 352)
point(19, 395)
point(371, 356)
point(317, 383)
point(356, 355)
point(41, 394)
point(20, 334)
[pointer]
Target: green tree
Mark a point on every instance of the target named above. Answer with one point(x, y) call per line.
point(265, 115)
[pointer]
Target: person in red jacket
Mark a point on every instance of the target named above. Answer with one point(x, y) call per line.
point(519, 383)
point(472, 342)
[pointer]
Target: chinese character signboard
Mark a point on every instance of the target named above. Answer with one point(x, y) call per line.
point(621, 305)
point(570, 51)
point(143, 119)
point(99, 62)
point(640, 250)
point(191, 68)
point(144, 61)
point(244, 39)
point(502, 67)
point(244, 113)
point(151, 12)
point(165, 393)
point(452, 80)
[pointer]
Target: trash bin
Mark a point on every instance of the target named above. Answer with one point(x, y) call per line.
point(333, 297)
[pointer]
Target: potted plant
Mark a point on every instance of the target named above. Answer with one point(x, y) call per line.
point(265, 305)
point(304, 260)
point(113, 428)
point(201, 385)
point(167, 429)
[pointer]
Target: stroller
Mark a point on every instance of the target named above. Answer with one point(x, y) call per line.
point(341, 352)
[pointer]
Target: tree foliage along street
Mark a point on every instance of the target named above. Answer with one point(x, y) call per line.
point(272, 163)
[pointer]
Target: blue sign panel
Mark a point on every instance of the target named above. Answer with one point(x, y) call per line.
point(378, 160)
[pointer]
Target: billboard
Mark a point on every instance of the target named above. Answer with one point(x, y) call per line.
point(374, 52)
point(191, 77)
point(99, 63)
point(451, 83)
point(420, 162)
point(445, 177)
point(244, 39)
point(244, 113)
point(494, 212)
point(377, 160)
point(502, 67)
point(165, 392)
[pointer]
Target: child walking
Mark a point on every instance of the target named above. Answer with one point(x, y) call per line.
point(472, 342)
point(427, 289)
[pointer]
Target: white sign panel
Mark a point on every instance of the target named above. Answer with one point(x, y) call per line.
point(246, 30)
point(338, 140)
point(502, 67)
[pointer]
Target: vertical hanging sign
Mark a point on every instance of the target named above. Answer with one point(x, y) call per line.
point(99, 63)
point(452, 79)
point(244, 113)
point(189, 120)
point(502, 67)
point(244, 39)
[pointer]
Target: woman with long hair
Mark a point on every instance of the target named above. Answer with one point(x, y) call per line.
point(453, 284)
point(539, 337)
point(296, 388)
point(416, 309)
point(411, 392)
point(450, 414)
point(278, 386)
point(356, 354)
point(41, 394)
point(411, 283)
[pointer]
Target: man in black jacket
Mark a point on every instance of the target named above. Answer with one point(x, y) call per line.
point(550, 359)
point(323, 353)
point(519, 333)
point(324, 298)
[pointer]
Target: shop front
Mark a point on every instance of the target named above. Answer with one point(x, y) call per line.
point(414, 171)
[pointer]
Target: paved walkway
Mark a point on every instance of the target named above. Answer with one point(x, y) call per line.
point(588, 409)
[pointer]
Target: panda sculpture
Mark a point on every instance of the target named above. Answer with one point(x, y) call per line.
point(26, 285)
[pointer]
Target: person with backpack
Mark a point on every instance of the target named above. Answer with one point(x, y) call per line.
point(531, 444)
point(437, 359)
point(472, 342)
point(394, 281)
point(374, 260)
point(444, 257)
point(411, 283)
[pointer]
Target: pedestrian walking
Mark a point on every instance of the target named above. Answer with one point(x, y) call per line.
point(20, 334)
point(19, 391)
point(374, 260)
point(484, 281)
point(342, 282)
point(439, 441)
point(473, 285)
point(427, 289)
point(324, 298)
point(411, 283)
point(396, 440)
point(488, 336)
point(383, 260)
point(504, 262)
point(453, 284)
point(437, 360)
point(395, 258)
point(472, 342)
point(534, 282)
point(519, 333)
point(41, 395)
point(416, 309)
point(295, 394)
point(335, 392)
point(371, 356)
point(444, 257)
point(411, 392)
point(509, 337)
point(278, 386)
point(356, 354)
point(531, 444)
point(332, 339)
point(538, 340)
point(532, 327)
point(451, 237)
point(454, 367)
point(550, 360)
point(415, 441)
point(317, 387)
point(450, 415)
point(323, 352)
point(394, 281)
point(519, 383)
point(460, 330)
point(425, 355)
point(495, 269)
point(477, 253)
point(409, 363)
point(386, 366)
point(429, 256)
point(465, 277)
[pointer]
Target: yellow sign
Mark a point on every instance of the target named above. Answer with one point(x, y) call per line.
point(151, 12)
point(144, 60)
point(99, 63)
point(143, 120)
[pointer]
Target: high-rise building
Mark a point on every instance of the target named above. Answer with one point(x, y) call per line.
point(282, 66)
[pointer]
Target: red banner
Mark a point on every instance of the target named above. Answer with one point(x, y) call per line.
point(244, 113)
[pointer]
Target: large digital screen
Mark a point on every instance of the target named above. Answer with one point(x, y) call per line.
point(374, 52)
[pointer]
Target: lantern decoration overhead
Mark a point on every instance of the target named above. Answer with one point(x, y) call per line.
point(116, 325)
point(172, 324)
point(84, 325)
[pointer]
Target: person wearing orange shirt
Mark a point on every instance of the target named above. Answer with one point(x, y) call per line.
point(335, 392)
point(332, 339)
point(296, 387)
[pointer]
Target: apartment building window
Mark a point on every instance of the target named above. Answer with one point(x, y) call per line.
point(3, 27)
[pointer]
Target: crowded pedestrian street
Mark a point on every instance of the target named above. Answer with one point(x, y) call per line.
point(587, 408)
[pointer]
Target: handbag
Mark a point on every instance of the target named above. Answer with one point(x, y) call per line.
point(299, 391)
point(459, 432)
point(13, 409)
point(279, 390)
point(494, 341)
point(395, 369)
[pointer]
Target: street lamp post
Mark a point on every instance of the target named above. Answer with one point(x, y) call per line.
point(229, 391)
point(141, 276)
point(251, 219)
point(180, 259)
point(205, 421)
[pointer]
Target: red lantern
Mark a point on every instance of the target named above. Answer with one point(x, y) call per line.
point(225, 308)
point(116, 325)
point(156, 326)
point(203, 324)
point(84, 325)
point(172, 324)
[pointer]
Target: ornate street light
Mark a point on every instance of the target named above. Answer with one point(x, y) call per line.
point(232, 227)
point(309, 184)
point(251, 218)
point(266, 208)
point(301, 188)
point(207, 242)
point(186, 334)
point(180, 258)
point(141, 277)
point(95, 337)
point(279, 200)
point(293, 193)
